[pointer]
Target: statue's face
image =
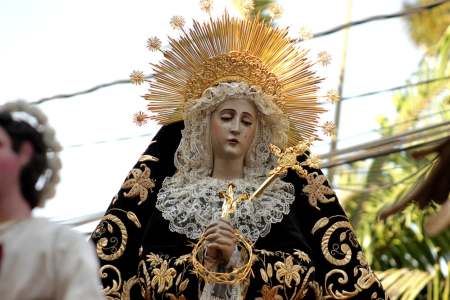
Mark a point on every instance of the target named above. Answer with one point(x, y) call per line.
point(233, 127)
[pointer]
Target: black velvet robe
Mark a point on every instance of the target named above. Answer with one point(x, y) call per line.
point(312, 254)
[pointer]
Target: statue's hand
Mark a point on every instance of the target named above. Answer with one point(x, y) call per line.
point(220, 241)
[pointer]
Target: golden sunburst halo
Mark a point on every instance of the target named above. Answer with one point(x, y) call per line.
point(247, 50)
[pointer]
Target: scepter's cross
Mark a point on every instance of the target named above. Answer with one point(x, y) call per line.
point(229, 203)
point(287, 159)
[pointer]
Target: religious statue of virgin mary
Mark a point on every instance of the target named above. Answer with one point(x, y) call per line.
point(231, 94)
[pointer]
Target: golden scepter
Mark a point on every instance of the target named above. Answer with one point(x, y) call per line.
point(287, 159)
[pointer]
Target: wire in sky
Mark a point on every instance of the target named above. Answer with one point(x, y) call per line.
point(396, 88)
point(403, 13)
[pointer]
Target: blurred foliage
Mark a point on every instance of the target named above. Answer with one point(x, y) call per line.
point(427, 27)
point(260, 8)
point(411, 264)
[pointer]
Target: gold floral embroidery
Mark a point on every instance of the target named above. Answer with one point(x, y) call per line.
point(265, 252)
point(110, 244)
point(264, 275)
point(305, 286)
point(367, 277)
point(269, 293)
point(148, 157)
point(184, 285)
point(288, 270)
point(145, 276)
point(316, 288)
point(133, 218)
point(319, 224)
point(154, 259)
point(313, 162)
point(139, 184)
point(363, 282)
point(362, 259)
point(182, 259)
point(269, 270)
point(342, 279)
point(163, 277)
point(127, 286)
point(317, 190)
point(112, 292)
point(302, 255)
point(338, 248)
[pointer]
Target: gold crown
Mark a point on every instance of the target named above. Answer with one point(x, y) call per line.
point(226, 49)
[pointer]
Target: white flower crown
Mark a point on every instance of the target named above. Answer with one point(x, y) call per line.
point(22, 110)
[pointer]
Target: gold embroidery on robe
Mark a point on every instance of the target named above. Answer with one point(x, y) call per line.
point(110, 244)
point(139, 184)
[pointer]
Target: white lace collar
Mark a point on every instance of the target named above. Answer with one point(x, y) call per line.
point(190, 208)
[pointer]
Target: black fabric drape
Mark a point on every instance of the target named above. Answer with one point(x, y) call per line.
point(141, 258)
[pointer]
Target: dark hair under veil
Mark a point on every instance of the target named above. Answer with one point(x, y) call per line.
point(20, 132)
point(132, 226)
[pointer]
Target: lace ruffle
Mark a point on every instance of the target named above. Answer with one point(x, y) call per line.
point(191, 208)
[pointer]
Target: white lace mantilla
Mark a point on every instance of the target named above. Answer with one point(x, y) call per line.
point(191, 208)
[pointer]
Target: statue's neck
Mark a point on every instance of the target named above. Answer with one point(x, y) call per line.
point(228, 168)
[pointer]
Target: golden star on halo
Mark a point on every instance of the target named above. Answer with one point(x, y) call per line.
point(248, 6)
point(324, 58)
point(305, 33)
point(137, 77)
point(139, 184)
point(329, 128)
point(332, 96)
point(140, 118)
point(275, 11)
point(206, 5)
point(177, 22)
point(154, 44)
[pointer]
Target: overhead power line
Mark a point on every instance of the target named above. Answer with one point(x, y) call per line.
point(393, 144)
point(125, 81)
point(403, 13)
point(409, 121)
point(400, 87)
point(84, 92)
point(383, 186)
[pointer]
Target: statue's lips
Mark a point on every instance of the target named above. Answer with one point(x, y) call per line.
point(233, 141)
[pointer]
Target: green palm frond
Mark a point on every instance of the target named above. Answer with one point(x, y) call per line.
point(404, 283)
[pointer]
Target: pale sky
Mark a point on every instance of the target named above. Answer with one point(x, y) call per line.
point(51, 47)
